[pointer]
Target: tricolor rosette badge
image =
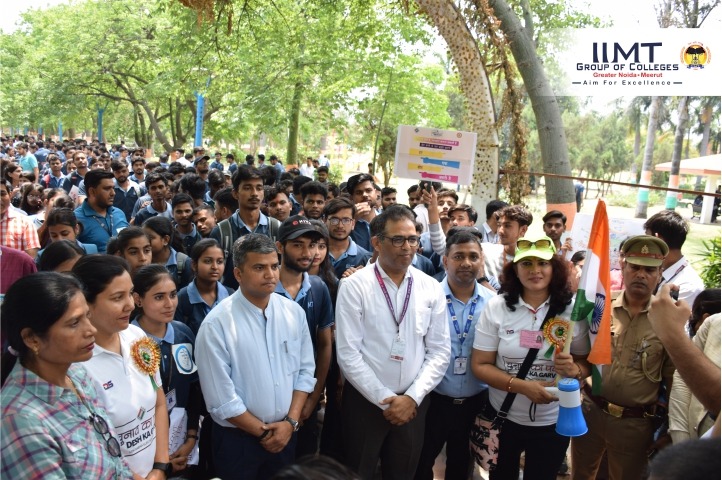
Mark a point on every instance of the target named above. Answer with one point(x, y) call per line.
point(555, 332)
point(146, 356)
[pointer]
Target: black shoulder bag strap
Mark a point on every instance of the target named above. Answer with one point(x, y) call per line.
point(530, 356)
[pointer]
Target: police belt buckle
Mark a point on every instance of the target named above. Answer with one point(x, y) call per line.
point(614, 410)
point(459, 401)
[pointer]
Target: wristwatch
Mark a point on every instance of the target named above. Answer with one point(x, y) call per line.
point(483, 279)
point(294, 423)
point(166, 468)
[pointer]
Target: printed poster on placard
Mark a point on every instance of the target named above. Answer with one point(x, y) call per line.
point(436, 155)
point(619, 229)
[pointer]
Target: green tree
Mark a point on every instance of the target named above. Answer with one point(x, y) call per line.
point(408, 84)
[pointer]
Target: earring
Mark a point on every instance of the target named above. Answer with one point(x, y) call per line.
point(36, 350)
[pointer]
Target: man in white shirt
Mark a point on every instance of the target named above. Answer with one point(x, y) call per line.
point(672, 228)
point(490, 226)
point(393, 348)
point(513, 222)
point(255, 362)
point(308, 170)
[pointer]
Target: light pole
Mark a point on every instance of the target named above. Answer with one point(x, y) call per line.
point(200, 112)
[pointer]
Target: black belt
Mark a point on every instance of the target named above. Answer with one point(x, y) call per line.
point(452, 400)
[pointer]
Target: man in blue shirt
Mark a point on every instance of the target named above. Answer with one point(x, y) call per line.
point(339, 216)
point(216, 163)
point(54, 178)
point(99, 218)
point(248, 190)
point(255, 363)
point(458, 398)
point(298, 244)
point(27, 160)
point(363, 194)
point(232, 165)
point(276, 164)
point(126, 192)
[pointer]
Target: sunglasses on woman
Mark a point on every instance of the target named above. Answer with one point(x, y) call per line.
point(101, 426)
point(523, 244)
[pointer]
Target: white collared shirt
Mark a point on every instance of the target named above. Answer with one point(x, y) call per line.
point(487, 235)
point(129, 397)
point(682, 274)
point(366, 331)
point(495, 258)
point(499, 330)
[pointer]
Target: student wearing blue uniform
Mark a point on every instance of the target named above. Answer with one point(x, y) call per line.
point(155, 297)
point(344, 253)
point(168, 249)
point(208, 262)
point(61, 224)
point(298, 243)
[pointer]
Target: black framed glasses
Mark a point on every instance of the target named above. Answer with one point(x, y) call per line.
point(398, 241)
point(523, 244)
point(335, 221)
point(101, 426)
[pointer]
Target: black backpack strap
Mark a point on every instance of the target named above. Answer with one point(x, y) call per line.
point(273, 225)
point(224, 226)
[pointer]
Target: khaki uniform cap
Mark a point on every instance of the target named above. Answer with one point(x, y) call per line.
point(645, 250)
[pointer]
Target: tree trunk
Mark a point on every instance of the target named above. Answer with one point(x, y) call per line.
point(552, 139)
point(683, 115)
point(155, 126)
point(294, 118)
point(637, 138)
point(643, 195)
point(474, 84)
point(707, 127)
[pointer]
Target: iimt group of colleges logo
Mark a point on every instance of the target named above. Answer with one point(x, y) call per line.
point(695, 55)
point(640, 62)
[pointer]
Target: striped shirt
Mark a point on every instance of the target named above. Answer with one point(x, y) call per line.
point(17, 231)
point(46, 432)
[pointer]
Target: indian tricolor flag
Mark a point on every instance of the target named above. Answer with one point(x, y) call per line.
point(593, 302)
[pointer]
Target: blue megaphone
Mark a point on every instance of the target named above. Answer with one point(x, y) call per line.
point(570, 422)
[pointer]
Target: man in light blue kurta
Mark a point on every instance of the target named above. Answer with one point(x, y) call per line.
point(255, 363)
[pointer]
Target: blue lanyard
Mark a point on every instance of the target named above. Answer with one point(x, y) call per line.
point(388, 298)
point(469, 318)
point(104, 223)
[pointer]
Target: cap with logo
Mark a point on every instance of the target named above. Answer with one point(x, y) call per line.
point(539, 247)
point(645, 250)
point(294, 227)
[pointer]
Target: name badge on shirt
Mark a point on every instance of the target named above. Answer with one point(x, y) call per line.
point(171, 400)
point(531, 339)
point(397, 350)
point(460, 365)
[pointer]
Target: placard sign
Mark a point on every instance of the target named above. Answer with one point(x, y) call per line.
point(435, 155)
point(619, 229)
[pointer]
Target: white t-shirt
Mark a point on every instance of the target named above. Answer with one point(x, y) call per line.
point(129, 398)
point(499, 330)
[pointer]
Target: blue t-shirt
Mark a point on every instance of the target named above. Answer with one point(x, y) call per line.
point(315, 300)
point(352, 257)
point(98, 229)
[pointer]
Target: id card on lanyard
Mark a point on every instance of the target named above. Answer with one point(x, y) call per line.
point(398, 347)
point(460, 362)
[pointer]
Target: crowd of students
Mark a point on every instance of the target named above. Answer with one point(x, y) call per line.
point(196, 319)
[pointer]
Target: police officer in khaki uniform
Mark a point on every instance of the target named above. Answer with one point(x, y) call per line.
point(620, 419)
